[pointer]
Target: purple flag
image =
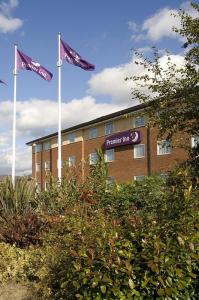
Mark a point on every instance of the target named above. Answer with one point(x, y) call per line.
point(27, 63)
point(1, 81)
point(72, 57)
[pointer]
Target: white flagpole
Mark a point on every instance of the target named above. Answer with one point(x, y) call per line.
point(14, 118)
point(59, 64)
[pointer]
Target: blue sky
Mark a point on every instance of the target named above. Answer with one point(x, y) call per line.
point(103, 32)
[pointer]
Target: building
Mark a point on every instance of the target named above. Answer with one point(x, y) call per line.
point(131, 149)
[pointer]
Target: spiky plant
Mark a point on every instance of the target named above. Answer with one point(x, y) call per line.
point(20, 221)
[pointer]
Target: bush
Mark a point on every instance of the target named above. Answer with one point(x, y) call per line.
point(154, 257)
point(124, 199)
point(20, 221)
point(23, 229)
point(135, 241)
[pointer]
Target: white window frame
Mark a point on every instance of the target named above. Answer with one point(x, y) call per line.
point(136, 119)
point(194, 141)
point(93, 133)
point(108, 128)
point(71, 138)
point(71, 161)
point(136, 147)
point(47, 146)
point(162, 148)
point(93, 158)
point(106, 155)
point(38, 148)
point(139, 177)
point(47, 165)
point(38, 167)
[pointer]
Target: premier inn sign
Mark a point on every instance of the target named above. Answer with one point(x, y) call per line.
point(129, 137)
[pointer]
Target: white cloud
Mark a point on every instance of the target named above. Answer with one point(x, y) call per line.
point(132, 26)
point(111, 81)
point(31, 118)
point(35, 118)
point(160, 24)
point(7, 7)
point(23, 160)
point(3, 140)
point(7, 22)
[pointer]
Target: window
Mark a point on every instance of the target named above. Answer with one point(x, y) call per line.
point(93, 133)
point(38, 148)
point(38, 167)
point(109, 155)
point(93, 158)
point(71, 138)
point(108, 128)
point(71, 161)
point(47, 146)
point(139, 177)
point(110, 182)
point(163, 147)
point(139, 151)
point(139, 121)
point(194, 141)
point(47, 165)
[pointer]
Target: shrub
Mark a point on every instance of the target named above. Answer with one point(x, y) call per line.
point(20, 222)
point(124, 199)
point(136, 241)
point(154, 257)
point(18, 198)
point(58, 197)
point(23, 229)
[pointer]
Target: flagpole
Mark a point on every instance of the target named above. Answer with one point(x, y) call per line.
point(59, 64)
point(14, 117)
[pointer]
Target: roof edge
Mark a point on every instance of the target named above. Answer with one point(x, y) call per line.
point(94, 121)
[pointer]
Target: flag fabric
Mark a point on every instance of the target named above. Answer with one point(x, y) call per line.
point(1, 81)
point(72, 57)
point(27, 63)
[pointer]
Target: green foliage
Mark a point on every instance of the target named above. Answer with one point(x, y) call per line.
point(148, 253)
point(58, 197)
point(172, 91)
point(124, 199)
point(135, 241)
point(20, 224)
point(23, 229)
point(12, 262)
point(15, 200)
point(98, 175)
point(190, 31)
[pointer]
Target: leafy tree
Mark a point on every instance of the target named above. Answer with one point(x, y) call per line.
point(171, 91)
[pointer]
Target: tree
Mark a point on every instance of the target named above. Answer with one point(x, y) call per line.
point(173, 92)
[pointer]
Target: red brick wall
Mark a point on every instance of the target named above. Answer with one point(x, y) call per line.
point(125, 166)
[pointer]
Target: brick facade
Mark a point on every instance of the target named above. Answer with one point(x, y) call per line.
point(124, 167)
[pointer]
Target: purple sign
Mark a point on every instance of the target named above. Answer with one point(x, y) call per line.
point(123, 138)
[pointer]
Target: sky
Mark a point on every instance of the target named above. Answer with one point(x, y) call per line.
point(104, 33)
